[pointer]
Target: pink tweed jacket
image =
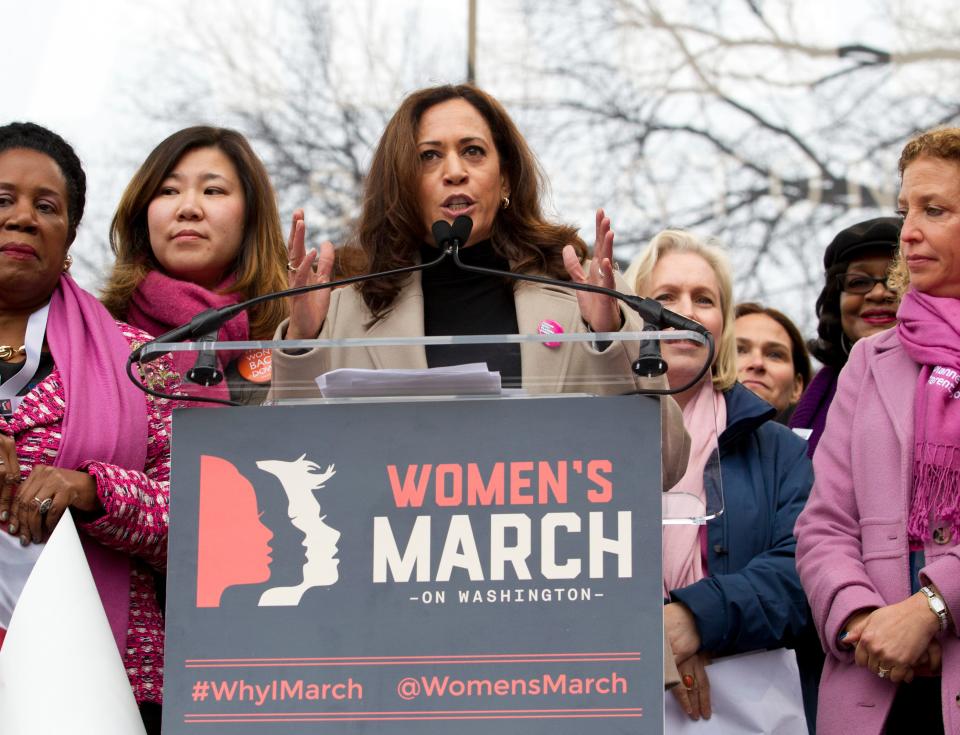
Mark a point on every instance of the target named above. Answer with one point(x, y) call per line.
point(135, 502)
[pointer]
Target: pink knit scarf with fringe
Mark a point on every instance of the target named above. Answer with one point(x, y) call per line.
point(161, 303)
point(929, 330)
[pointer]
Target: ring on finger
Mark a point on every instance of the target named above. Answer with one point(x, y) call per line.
point(689, 681)
point(291, 267)
point(883, 672)
point(43, 506)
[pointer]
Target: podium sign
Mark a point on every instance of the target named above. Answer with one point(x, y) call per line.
point(416, 567)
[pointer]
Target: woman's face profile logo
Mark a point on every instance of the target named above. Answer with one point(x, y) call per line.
point(232, 546)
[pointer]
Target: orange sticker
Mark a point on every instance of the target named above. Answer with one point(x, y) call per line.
point(255, 365)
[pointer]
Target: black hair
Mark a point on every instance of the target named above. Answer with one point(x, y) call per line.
point(38, 138)
point(828, 347)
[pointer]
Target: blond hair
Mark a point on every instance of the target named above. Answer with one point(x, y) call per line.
point(679, 241)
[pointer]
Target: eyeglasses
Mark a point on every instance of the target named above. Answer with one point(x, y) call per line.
point(859, 283)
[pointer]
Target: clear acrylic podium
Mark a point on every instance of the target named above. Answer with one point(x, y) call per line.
point(613, 377)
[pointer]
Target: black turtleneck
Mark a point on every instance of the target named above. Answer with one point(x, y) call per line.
point(459, 302)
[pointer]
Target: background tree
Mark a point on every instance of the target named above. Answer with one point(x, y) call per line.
point(768, 125)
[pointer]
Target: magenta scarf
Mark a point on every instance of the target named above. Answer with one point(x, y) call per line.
point(104, 419)
point(161, 303)
point(814, 405)
point(929, 331)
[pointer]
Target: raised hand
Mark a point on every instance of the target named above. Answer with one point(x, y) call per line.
point(307, 267)
point(601, 312)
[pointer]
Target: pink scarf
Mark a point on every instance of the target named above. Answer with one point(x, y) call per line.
point(161, 303)
point(705, 417)
point(929, 331)
point(104, 419)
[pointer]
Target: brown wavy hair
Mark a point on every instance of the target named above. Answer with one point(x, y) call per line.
point(798, 349)
point(390, 228)
point(261, 263)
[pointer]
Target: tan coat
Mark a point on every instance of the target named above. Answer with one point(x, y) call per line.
point(569, 367)
point(573, 367)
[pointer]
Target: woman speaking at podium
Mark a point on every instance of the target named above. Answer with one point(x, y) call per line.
point(450, 151)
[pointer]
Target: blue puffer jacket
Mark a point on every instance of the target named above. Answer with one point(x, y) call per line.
point(753, 598)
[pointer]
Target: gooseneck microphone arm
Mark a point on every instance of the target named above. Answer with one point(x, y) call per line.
point(650, 310)
point(209, 322)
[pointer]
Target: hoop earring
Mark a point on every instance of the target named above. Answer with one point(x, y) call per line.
point(845, 344)
point(67, 262)
point(505, 202)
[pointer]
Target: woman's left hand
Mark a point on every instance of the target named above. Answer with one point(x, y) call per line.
point(63, 488)
point(693, 692)
point(893, 638)
point(601, 312)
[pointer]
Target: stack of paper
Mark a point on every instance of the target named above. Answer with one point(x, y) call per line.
point(472, 379)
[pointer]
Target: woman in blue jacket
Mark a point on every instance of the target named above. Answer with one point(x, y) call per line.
point(732, 585)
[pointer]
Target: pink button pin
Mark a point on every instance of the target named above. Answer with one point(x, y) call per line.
point(548, 326)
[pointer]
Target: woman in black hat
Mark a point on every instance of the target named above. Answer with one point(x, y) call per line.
point(855, 302)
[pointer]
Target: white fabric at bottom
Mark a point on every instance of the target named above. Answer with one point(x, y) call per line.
point(754, 693)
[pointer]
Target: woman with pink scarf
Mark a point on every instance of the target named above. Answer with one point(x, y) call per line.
point(198, 228)
point(877, 544)
point(75, 432)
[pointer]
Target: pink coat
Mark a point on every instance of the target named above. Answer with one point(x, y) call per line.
point(852, 548)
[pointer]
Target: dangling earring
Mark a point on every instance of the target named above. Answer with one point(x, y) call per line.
point(67, 262)
point(505, 202)
point(845, 344)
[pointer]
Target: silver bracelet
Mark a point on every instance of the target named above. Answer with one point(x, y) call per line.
point(937, 606)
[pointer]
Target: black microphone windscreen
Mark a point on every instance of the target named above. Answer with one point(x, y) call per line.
point(442, 232)
point(462, 226)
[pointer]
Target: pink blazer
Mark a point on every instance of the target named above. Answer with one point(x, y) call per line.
point(852, 548)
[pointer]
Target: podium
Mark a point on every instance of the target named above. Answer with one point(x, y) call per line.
point(419, 564)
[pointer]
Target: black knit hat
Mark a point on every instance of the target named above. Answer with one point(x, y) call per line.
point(882, 233)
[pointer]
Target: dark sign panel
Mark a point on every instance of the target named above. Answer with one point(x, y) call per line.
point(478, 566)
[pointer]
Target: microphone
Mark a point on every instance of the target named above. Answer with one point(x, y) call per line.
point(205, 371)
point(448, 236)
point(649, 364)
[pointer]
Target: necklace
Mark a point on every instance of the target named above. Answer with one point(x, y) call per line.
point(8, 352)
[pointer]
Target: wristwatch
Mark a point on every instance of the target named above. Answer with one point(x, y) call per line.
point(937, 606)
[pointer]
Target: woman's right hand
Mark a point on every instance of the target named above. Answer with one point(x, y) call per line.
point(308, 310)
point(9, 476)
